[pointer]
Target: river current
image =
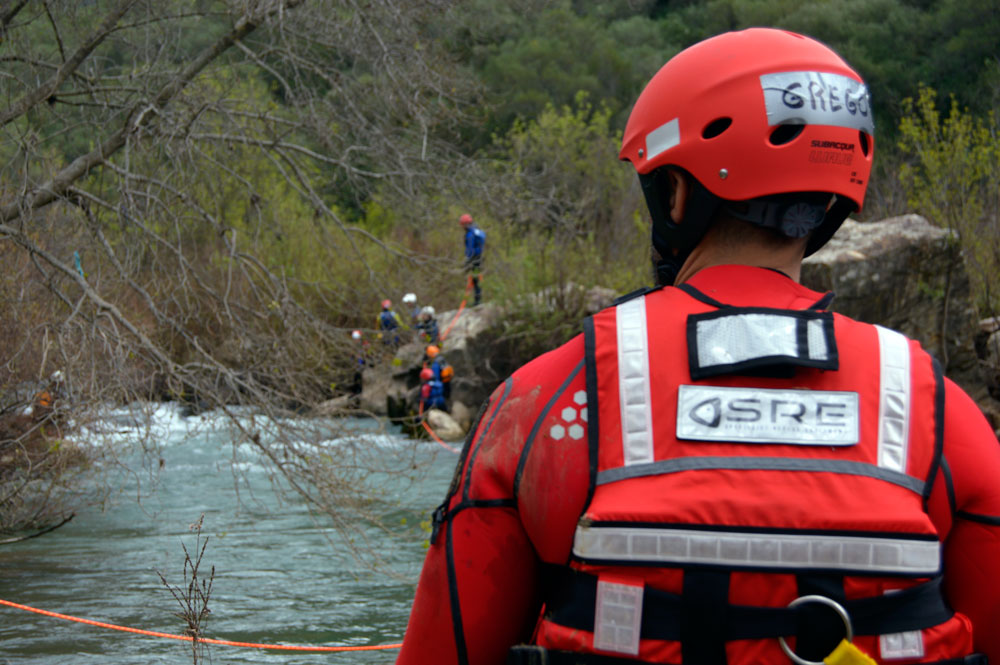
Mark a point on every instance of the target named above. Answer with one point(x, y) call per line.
point(280, 575)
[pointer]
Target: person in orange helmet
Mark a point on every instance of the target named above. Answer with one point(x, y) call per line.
point(720, 470)
point(443, 372)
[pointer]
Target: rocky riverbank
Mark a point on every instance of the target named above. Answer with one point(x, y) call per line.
point(903, 273)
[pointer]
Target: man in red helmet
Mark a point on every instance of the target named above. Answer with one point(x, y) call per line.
point(389, 323)
point(475, 239)
point(720, 470)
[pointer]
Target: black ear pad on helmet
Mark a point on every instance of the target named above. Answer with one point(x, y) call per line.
point(794, 215)
point(674, 241)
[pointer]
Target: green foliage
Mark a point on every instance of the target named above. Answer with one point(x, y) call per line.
point(952, 179)
point(563, 194)
point(558, 53)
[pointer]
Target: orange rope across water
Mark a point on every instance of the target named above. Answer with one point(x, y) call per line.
point(420, 414)
point(189, 638)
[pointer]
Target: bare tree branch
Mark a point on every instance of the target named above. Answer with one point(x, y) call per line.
point(9, 11)
point(44, 91)
point(8, 541)
point(140, 115)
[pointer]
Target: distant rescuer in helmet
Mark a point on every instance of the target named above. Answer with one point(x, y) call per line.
point(474, 239)
point(720, 471)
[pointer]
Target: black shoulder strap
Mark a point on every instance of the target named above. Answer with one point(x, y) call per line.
point(631, 295)
point(701, 297)
point(593, 412)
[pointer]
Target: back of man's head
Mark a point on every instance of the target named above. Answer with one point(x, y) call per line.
point(769, 127)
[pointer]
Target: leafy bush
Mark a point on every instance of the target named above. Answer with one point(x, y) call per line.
point(952, 176)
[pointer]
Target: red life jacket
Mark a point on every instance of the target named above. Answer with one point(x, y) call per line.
point(787, 453)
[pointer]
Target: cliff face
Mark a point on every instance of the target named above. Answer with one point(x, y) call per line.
point(902, 273)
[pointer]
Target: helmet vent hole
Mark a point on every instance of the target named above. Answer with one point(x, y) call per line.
point(716, 127)
point(783, 134)
point(865, 144)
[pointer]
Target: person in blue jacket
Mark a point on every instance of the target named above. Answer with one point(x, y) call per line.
point(475, 238)
point(389, 324)
point(431, 391)
point(443, 372)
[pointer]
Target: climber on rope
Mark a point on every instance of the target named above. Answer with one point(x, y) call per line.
point(431, 392)
point(427, 326)
point(443, 372)
point(475, 239)
point(720, 470)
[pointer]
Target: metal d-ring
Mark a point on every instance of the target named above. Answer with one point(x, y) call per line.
point(822, 600)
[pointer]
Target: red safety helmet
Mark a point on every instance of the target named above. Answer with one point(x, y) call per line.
point(465, 219)
point(426, 374)
point(386, 304)
point(751, 116)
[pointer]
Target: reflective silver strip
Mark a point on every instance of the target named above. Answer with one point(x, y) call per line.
point(901, 646)
point(633, 382)
point(894, 399)
point(727, 340)
point(816, 339)
point(618, 617)
point(758, 550)
point(663, 138)
point(763, 464)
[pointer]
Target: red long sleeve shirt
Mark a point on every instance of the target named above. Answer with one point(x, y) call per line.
point(522, 483)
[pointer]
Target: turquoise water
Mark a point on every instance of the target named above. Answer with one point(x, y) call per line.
point(281, 576)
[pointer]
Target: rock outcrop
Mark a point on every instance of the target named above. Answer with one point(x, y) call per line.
point(908, 275)
point(903, 273)
point(477, 346)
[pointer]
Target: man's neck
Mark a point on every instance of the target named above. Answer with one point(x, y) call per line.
point(786, 260)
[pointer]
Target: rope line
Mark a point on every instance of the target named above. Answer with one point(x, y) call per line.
point(423, 421)
point(468, 287)
point(189, 638)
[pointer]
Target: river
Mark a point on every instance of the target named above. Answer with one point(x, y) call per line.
point(280, 575)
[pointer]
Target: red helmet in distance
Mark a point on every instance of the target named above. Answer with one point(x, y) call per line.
point(426, 374)
point(386, 304)
point(761, 115)
point(465, 219)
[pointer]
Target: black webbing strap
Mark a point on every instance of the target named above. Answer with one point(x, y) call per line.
point(819, 628)
point(535, 655)
point(573, 597)
point(704, 605)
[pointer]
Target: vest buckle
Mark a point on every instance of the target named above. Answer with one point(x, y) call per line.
point(822, 600)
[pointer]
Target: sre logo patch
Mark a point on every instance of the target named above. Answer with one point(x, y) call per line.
point(759, 415)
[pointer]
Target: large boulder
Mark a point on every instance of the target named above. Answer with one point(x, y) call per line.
point(444, 426)
point(908, 275)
